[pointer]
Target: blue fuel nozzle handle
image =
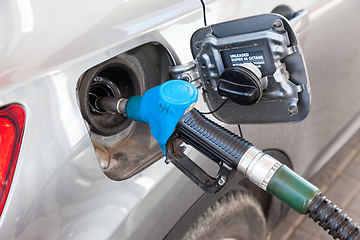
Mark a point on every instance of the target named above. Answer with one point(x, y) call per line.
point(162, 107)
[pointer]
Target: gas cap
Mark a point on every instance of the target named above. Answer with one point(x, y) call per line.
point(241, 84)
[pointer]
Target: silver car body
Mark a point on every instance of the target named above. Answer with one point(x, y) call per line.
point(59, 190)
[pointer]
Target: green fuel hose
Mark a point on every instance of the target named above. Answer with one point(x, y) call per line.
point(292, 189)
point(223, 146)
point(305, 198)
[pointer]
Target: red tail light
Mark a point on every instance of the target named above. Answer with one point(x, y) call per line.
point(12, 122)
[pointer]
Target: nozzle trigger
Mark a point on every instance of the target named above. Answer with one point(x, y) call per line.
point(207, 183)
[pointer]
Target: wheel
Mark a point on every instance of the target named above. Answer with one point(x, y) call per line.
point(236, 215)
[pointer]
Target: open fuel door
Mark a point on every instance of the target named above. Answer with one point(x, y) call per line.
point(256, 65)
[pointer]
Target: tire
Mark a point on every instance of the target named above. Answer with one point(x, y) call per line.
point(236, 215)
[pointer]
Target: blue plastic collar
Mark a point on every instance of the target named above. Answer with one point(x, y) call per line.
point(162, 107)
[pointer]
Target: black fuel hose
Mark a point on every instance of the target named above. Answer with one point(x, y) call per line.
point(223, 146)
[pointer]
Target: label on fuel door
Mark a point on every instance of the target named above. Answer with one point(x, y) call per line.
point(237, 57)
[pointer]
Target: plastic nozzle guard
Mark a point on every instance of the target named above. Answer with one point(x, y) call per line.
point(162, 107)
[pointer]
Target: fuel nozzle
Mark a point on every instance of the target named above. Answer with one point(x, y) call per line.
point(164, 109)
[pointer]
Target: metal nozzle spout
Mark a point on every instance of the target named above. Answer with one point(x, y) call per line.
point(111, 104)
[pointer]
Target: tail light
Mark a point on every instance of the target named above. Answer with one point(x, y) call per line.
point(12, 122)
